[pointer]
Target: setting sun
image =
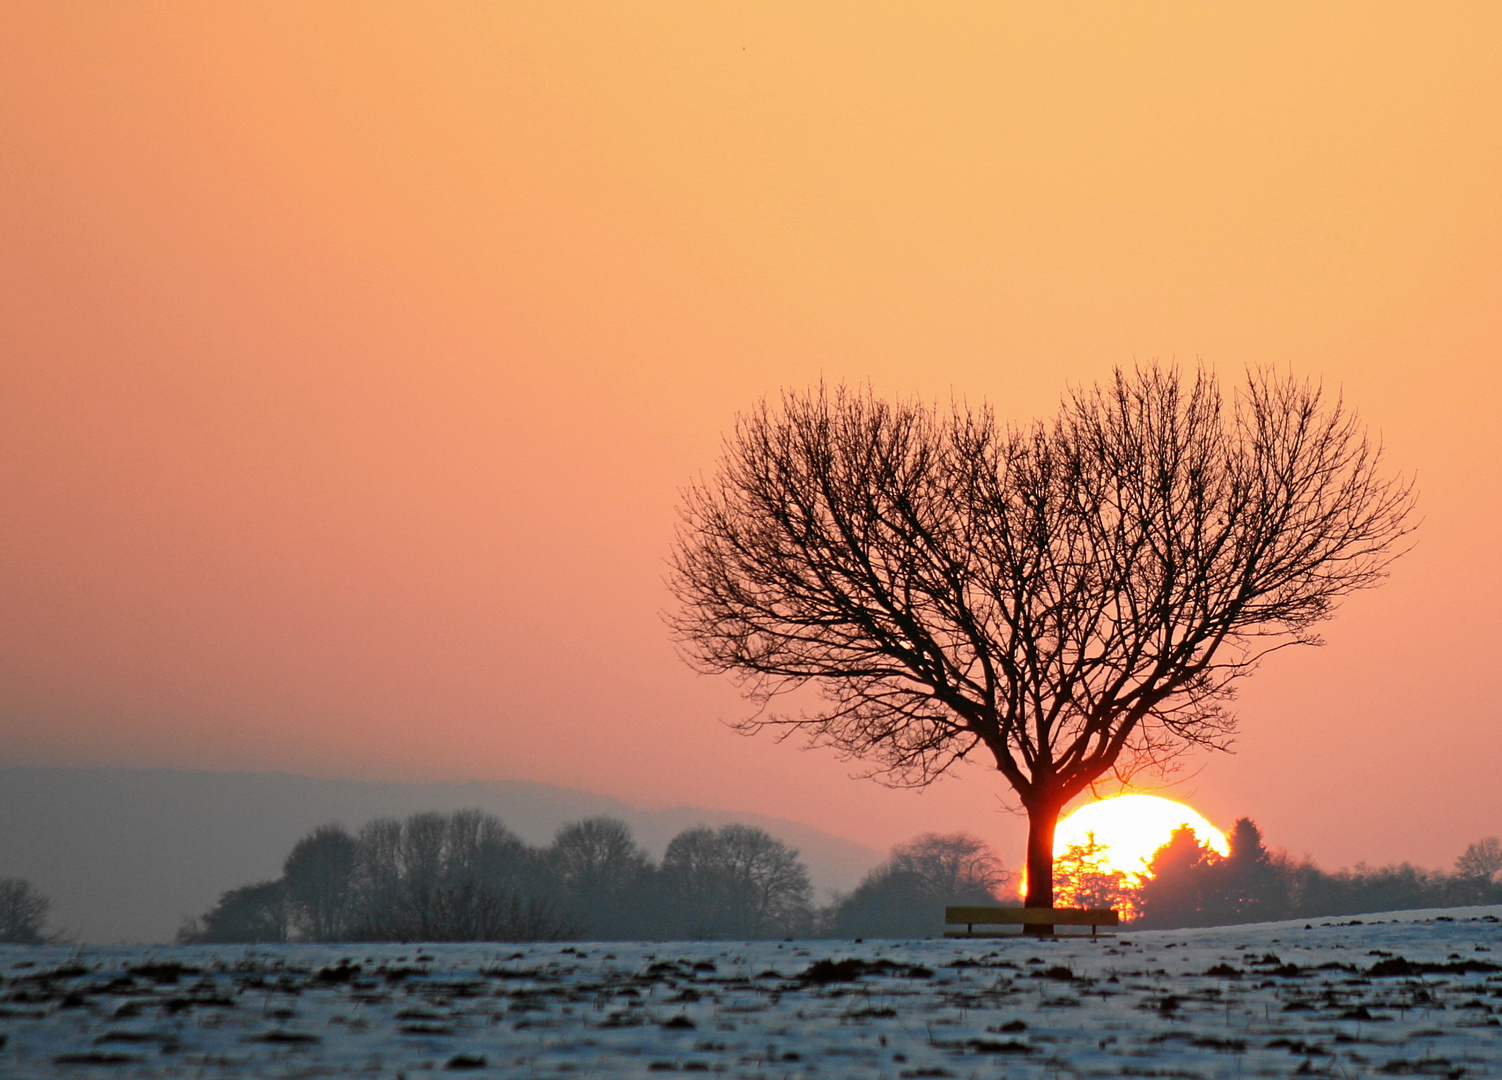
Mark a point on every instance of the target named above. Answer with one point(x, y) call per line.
point(1130, 828)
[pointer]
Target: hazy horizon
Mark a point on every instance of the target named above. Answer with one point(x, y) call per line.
point(126, 854)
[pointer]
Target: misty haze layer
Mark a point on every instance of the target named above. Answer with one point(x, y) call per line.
point(126, 855)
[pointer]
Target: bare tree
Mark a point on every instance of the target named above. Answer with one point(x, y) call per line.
point(318, 877)
point(1480, 861)
point(23, 912)
point(602, 874)
point(737, 881)
point(950, 865)
point(444, 877)
point(597, 857)
point(1076, 598)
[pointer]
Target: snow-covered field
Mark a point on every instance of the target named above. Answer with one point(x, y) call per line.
point(1415, 993)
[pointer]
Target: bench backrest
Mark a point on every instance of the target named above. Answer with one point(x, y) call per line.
point(987, 916)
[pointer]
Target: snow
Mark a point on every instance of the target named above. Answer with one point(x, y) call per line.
point(1283, 999)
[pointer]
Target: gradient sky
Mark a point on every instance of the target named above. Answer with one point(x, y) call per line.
point(352, 357)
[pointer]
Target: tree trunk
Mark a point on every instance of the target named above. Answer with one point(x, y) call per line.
point(1041, 822)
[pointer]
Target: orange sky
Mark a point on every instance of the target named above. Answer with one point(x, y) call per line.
point(351, 357)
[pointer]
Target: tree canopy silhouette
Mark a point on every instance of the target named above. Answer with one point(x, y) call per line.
point(905, 896)
point(1074, 598)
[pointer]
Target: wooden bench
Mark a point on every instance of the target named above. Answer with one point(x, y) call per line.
point(1027, 918)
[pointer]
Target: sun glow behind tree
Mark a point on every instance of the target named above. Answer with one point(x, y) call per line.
point(1102, 850)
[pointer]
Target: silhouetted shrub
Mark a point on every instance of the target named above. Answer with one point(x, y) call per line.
point(23, 913)
point(252, 913)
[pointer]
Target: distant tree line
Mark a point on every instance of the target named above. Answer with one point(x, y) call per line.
point(1188, 884)
point(466, 877)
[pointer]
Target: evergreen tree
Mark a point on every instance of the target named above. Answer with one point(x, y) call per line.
point(1246, 886)
point(1180, 877)
point(1083, 878)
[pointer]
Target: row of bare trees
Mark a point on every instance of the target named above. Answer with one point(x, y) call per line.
point(430, 877)
point(466, 877)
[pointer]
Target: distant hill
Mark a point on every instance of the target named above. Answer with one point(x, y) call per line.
point(126, 854)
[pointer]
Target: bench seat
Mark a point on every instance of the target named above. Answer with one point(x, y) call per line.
point(971, 917)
